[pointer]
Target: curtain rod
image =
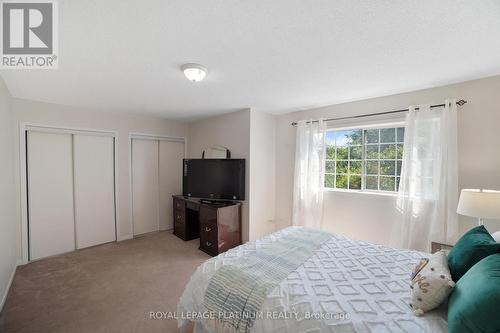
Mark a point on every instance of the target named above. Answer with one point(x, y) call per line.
point(459, 103)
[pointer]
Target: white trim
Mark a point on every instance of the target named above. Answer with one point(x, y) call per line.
point(28, 195)
point(27, 126)
point(154, 137)
point(73, 175)
point(122, 238)
point(368, 126)
point(159, 183)
point(7, 289)
point(23, 193)
point(117, 202)
point(130, 191)
point(67, 130)
point(363, 192)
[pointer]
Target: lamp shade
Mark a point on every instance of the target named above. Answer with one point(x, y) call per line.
point(484, 204)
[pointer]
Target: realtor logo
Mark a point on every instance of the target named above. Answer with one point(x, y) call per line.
point(29, 34)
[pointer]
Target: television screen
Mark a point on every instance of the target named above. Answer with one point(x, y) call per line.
point(222, 179)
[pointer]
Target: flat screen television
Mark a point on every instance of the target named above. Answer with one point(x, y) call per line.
point(215, 179)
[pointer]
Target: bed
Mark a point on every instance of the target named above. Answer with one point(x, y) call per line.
point(345, 286)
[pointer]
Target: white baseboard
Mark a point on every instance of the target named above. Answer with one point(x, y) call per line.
point(6, 293)
point(122, 238)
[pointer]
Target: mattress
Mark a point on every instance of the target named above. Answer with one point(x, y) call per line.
point(346, 286)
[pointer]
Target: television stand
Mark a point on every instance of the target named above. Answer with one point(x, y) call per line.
point(217, 223)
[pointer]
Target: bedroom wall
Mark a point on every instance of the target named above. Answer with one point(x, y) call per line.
point(262, 173)
point(9, 216)
point(231, 130)
point(371, 216)
point(123, 123)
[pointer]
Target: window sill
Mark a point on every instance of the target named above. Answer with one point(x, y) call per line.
point(359, 192)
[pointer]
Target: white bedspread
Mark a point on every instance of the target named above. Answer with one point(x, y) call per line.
point(366, 282)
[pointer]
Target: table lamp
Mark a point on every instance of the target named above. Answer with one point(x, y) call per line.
point(483, 204)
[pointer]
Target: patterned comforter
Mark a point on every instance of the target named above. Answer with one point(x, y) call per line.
point(345, 286)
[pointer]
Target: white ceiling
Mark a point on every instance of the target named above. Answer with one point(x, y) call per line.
point(275, 56)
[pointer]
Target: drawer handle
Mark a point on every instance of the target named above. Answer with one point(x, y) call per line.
point(207, 229)
point(208, 244)
point(178, 217)
point(178, 205)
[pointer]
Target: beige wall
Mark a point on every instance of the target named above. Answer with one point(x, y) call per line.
point(247, 134)
point(64, 116)
point(8, 208)
point(261, 173)
point(231, 130)
point(369, 216)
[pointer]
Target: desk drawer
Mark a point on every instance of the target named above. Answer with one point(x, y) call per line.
point(180, 216)
point(209, 238)
point(179, 204)
point(209, 247)
point(208, 214)
point(192, 205)
point(180, 230)
point(209, 230)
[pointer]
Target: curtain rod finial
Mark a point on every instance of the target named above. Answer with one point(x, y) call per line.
point(461, 102)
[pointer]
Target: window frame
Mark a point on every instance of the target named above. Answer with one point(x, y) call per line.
point(363, 160)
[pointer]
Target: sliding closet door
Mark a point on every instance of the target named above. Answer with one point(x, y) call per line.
point(145, 186)
point(94, 190)
point(50, 198)
point(171, 155)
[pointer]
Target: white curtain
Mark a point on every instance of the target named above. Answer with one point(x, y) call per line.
point(309, 174)
point(428, 192)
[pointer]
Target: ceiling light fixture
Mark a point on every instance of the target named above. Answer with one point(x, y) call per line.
point(194, 72)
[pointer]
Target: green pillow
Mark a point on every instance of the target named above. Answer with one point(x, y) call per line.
point(474, 245)
point(475, 301)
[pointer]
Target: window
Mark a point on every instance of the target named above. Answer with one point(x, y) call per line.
point(364, 159)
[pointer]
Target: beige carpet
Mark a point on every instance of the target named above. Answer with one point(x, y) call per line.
point(107, 288)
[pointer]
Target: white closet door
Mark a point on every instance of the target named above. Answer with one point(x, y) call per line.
point(50, 182)
point(94, 190)
point(145, 186)
point(171, 155)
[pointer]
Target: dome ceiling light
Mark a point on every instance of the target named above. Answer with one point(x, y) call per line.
point(194, 72)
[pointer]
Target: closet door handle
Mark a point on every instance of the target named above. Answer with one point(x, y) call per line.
point(208, 229)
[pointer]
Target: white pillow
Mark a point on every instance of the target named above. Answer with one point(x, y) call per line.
point(496, 236)
point(431, 283)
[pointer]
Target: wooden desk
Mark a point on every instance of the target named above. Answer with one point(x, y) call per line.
point(217, 225)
